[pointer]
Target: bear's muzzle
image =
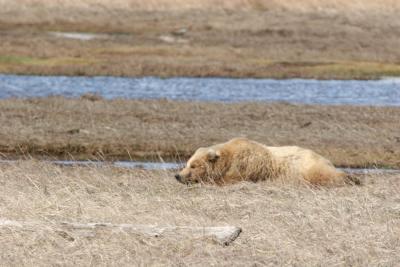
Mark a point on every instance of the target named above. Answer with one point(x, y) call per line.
point(178, 178)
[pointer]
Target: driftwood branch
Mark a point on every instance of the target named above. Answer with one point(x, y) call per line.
point(224, 235)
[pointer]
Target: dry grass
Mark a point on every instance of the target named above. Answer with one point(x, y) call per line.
point(313, 39)
point(151, 5)
point(57, 127)
point(283, 224)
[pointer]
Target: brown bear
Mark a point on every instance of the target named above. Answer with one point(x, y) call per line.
point(241, 159)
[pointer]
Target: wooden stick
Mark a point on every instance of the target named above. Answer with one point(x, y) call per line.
point(224, 235)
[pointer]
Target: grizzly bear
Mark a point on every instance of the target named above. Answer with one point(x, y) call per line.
point(241, 159)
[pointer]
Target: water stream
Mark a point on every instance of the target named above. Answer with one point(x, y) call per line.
point(384, 92)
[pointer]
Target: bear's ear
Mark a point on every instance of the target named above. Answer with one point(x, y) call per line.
point(213, 155)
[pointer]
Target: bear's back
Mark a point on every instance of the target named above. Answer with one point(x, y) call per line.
point(310, 165)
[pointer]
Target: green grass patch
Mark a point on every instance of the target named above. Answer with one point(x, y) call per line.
point(10, 59)
point(31, 61)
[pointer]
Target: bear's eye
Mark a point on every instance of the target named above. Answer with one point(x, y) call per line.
point(192, 166)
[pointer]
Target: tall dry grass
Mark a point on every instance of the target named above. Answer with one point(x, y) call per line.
point(149, 5)
point(283, 223)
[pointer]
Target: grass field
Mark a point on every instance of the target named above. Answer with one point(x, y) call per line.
point(282, 223)
point(154, 5)
point(93, 128)
point(280, 39)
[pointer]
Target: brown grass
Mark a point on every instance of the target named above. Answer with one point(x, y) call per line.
point(281, 39)
point(56, 127)
point(283, 224)
point(151, 5)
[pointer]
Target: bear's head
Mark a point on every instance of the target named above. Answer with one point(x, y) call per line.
point(204, 166)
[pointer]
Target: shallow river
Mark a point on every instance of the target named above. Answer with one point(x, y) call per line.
point(379, 92)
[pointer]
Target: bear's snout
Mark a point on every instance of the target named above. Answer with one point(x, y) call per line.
point(184, 179)
point(178, 177)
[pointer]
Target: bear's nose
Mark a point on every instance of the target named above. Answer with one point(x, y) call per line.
point(178, 177)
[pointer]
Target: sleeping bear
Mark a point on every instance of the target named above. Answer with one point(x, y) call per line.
point(241, 159)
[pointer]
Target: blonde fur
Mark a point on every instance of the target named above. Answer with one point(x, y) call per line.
point(242, 159)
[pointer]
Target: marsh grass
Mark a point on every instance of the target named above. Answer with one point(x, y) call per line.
point(95, 128)
point(279, 39)
point(283, 223)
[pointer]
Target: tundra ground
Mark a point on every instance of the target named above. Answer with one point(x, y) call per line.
point(280, 39)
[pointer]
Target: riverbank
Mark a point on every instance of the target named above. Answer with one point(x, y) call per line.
point(282, 223)
point(330, 40)
point(94, 128)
